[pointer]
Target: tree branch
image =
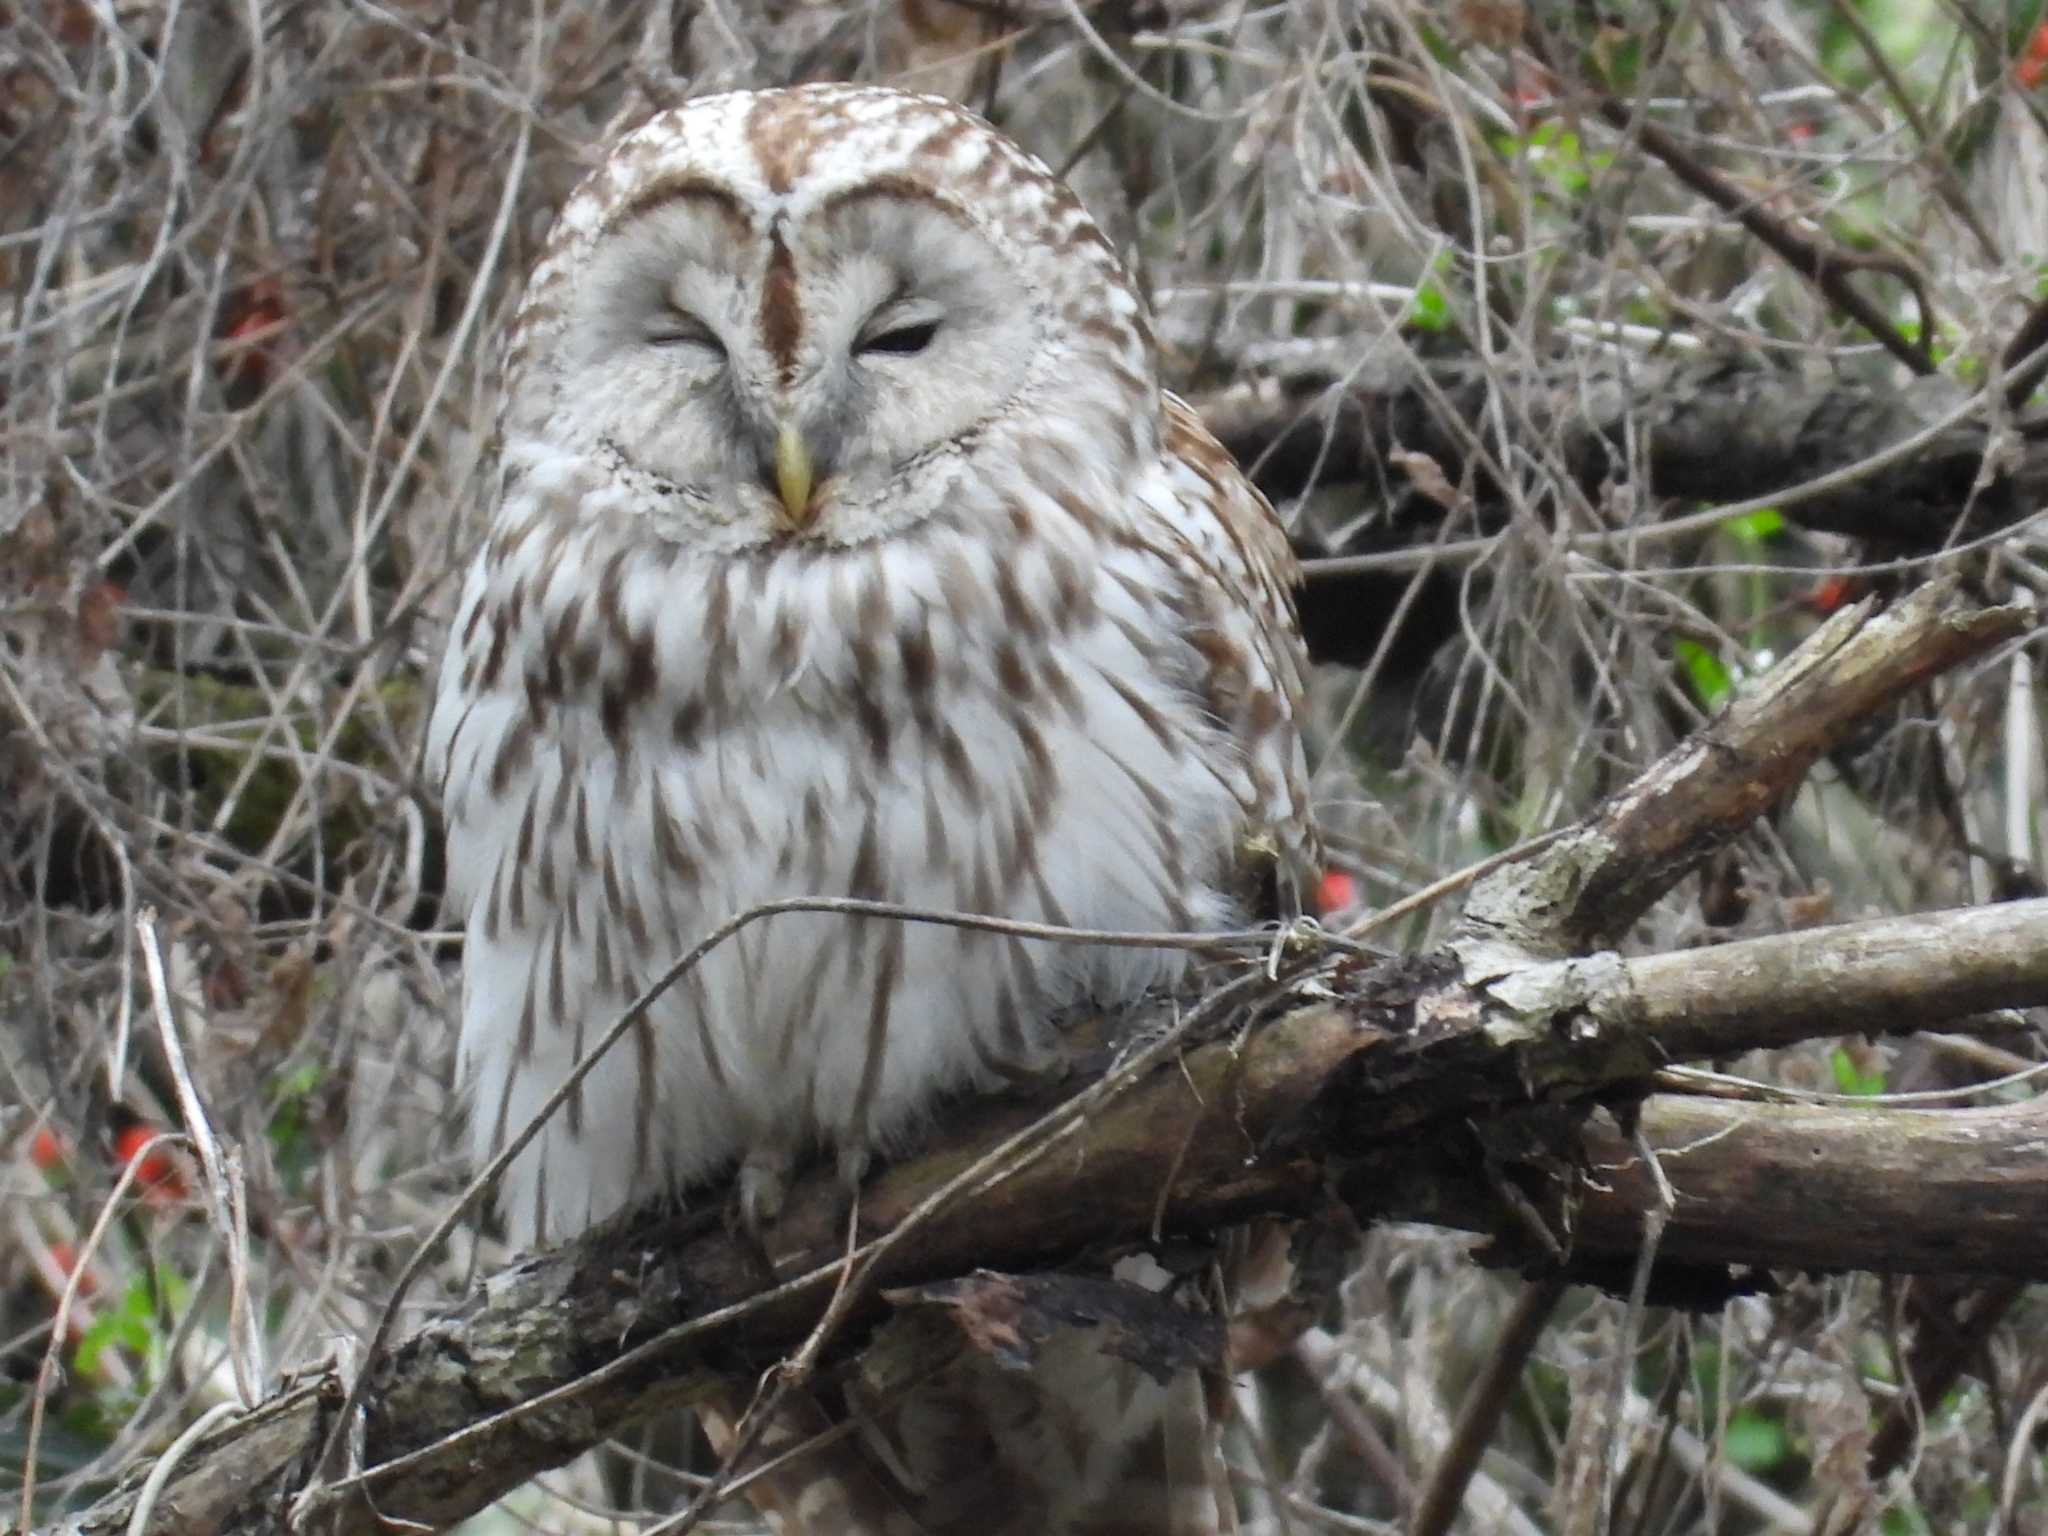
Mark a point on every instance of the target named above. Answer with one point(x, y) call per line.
point(1810, 1187)
point(1364, 1080)
point(1591, 885)
point(1705, 429)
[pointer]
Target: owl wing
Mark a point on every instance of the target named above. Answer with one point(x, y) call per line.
point(1226, 540)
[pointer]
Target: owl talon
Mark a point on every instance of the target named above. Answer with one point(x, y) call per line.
point(853, 1165)
point(764, 1185)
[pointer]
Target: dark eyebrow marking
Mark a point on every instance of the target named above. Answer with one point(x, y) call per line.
point(720, 199)
point(902, 188)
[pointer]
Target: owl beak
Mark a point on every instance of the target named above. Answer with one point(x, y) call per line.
point(794, 474)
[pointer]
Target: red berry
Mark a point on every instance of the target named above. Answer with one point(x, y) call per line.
point(156, 1172)
point(1334, 892)
point(44, 1149)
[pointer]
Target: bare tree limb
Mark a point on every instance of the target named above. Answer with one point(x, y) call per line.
point(1824, 266)
point(1485, 1402)
point(1589, 887)
point(1363, 1080)
point(1705, 429)
point(1361, 1095)
point(1810, 1187)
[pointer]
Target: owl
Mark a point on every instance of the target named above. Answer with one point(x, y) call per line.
point(843, 542)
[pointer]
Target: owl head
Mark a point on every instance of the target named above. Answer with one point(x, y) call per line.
point(819, 316)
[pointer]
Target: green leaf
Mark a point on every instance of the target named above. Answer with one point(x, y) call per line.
point(131, 1323)
point(1850, 1078)
point(290, 1126)
point(1428, 311)
point(1711, 683)
point(125, 1326)
point(1753, 528)
point(1755, 1443)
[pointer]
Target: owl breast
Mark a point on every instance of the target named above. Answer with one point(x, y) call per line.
point(641, 741)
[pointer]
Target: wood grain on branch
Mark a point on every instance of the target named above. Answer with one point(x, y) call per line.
point(1787, 1186)
point(1468, 1087)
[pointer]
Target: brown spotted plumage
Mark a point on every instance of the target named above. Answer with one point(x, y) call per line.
point(844, 544)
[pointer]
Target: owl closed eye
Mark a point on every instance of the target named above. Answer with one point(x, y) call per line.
point(815, 364)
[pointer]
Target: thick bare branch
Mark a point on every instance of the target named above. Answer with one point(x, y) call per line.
point(1371, 1094)
point(1907, 470)
point(1808, 1187)
point(1371, 1085)
point(1589, 887)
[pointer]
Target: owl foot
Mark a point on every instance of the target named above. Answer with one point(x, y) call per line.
point(763, 1186)
point(853, 1165)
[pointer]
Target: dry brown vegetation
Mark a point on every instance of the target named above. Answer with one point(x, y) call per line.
point(1596, 362)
